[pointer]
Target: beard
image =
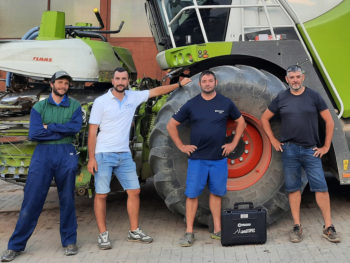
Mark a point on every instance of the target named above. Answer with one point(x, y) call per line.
point(118, 90)
point(208, 91)
point(55, 91)
point(295, 87)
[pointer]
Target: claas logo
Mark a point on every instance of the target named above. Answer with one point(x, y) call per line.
point(42, 59)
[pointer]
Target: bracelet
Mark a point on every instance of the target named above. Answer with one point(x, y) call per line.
point(180, 86)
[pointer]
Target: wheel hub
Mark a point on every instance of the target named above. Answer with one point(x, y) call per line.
point(251, 158)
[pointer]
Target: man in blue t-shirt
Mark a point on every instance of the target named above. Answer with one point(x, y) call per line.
point(207, 113)
point(299, 108)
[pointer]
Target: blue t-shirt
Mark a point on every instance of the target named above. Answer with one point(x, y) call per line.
point(299, 116)
point(208, 119)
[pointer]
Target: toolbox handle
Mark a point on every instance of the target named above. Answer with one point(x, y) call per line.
point(236, 205)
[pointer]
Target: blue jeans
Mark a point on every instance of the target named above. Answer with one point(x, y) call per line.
point(121, 164)
point(295, 157)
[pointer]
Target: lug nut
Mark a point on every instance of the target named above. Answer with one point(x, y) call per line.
point(246, 142)
point(233, 132)
point(241, 159)
point(232, 161)
point(246, 151)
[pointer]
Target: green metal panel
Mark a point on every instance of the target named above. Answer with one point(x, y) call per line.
point(188, 55)
point(83, 180)
point(15, 158)
point(331, 38)
point(105, 57)
point(126, 59)
point(52, 26)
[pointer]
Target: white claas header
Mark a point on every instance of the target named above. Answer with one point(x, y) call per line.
point(42, 58)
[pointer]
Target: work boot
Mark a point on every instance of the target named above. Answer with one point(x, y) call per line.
point(296, 235)
point(71, 250)
point(330, 234)
point(9, 255)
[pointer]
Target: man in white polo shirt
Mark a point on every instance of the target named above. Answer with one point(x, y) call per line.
point(112, 113)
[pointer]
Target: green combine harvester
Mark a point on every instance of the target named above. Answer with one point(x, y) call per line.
point(248, 44)
point(31, 62)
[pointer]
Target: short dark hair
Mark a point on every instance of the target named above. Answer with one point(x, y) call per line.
point(206, 72)
point(120, 69)
point(294, 68)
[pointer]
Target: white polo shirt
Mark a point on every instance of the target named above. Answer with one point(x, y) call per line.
point(114, 118)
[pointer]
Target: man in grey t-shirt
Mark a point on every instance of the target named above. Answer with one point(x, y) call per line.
point(299, 108)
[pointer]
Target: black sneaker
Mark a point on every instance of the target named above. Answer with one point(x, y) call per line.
point(9, 255)
point(330, 234)
point(71, 250)
point(296, 235)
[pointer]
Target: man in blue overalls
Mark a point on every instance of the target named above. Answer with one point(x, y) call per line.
point(53, 124)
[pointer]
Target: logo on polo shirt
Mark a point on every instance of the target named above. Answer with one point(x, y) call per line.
point(128, 106)
point(220, 111)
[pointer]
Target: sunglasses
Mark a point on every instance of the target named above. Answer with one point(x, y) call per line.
point(294, 68)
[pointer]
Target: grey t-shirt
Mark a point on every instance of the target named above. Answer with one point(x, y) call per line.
point(299, 116)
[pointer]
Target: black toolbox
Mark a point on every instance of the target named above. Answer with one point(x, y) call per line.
point(243, 225)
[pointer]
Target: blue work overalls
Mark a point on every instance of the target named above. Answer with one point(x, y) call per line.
point(54, 158)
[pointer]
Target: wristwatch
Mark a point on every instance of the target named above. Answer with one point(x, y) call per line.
point(180, 86)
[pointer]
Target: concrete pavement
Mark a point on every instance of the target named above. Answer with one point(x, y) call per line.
point(166, 229)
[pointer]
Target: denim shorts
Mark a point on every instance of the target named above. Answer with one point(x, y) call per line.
point(201, 172)
point(121, 165)
point(295, 157)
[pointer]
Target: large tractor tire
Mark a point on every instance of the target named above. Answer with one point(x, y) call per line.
point(255, 170)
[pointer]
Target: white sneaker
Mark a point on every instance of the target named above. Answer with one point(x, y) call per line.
point(103, 241)
point(139, 236)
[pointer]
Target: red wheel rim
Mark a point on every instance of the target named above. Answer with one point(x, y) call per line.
point(254, 156)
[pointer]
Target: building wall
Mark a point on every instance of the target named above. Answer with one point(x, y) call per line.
point(2, 83)
point(18, 16)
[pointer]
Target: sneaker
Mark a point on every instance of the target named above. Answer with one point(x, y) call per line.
point(103, 241)
point(9, 255)
point(216, 235)
point(330, 234)
point(296, 235)
point(71, 250)
point(139, 236)
point(187, 240)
